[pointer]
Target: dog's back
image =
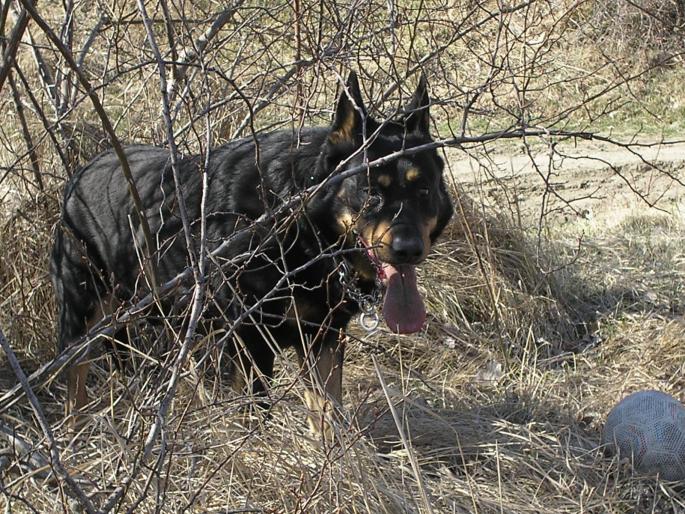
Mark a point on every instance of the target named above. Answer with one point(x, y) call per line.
point(100, 244)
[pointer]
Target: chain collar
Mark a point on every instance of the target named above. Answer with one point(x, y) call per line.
point(369, 318)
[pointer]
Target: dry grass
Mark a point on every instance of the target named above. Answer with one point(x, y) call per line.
point(496, 407)
point(26, 299)
point(500, 401)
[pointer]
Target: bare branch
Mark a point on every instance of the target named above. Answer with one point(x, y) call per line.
point(190, 54)
point(45, 427)
point(12, 44)
point(107, 126)
point(30, 148)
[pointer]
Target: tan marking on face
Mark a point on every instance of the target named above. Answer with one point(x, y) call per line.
point(385, 180)
point(380, 238)
point(412, 174)
point(367, 235)
point(382, 233)
point(426, 231)
point(363, 266)
point(345, 221)
point(431, 223)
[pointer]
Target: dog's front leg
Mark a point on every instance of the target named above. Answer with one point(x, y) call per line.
point(322, 366)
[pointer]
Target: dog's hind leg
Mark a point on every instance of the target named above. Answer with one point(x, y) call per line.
point(78, 293)
point(322, 365)
point(77, 396)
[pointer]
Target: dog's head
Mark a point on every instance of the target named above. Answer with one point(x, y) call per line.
point(395, 210)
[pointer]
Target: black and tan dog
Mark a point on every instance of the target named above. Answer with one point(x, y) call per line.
point(303, 273)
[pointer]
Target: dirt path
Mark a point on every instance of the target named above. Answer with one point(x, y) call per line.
point(586, 180)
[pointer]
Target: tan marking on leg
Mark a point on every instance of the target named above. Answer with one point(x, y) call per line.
point(105, 307)
point(77, 395)
point(323, 396)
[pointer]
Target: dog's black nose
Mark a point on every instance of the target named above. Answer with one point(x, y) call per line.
point(407, 248)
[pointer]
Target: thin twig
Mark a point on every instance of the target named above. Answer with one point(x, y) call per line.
point(12, 45)
point(30, 147)
point(57, 466)
point(149, 249)
point(191, 53)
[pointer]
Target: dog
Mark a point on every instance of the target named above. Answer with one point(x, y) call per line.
point(310, 242)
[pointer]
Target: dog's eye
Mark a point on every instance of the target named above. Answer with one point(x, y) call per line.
point(424, 192)
point(374, 199)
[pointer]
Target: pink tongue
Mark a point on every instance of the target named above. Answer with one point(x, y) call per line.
point(403, 307)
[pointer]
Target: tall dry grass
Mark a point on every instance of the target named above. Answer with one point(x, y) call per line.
point(497, 406)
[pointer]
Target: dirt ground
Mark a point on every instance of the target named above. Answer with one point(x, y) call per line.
point(591, 180)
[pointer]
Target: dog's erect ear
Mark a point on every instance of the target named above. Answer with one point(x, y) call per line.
point(349, 114)
point(417, 119)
